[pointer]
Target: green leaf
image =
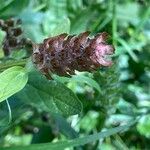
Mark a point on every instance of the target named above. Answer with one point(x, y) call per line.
point(18, 54)
point(12, 80)
point(87, 80)
point(64, 127)
point(32, 19)
point(79, 78)
point(62, 27)
point(56, 96)
point(128, 49)
point(73, 143)
point(13, 8)
point(79, 23)
point(143, 126)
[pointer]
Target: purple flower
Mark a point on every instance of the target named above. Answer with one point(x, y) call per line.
point(101, 50)
point(63, 54)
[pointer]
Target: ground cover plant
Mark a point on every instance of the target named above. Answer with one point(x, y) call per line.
point(74, 74)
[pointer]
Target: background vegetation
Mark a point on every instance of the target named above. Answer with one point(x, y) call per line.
point(110, 96)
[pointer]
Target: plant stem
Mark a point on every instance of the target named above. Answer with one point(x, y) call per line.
point(8, 64)
point(9, 112)
point(114, 22)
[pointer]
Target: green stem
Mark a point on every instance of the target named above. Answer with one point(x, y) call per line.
point(114, 22)
point(9, 112)
point(8, 64)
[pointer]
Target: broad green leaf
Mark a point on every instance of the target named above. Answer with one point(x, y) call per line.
point(56, 96)
point(75, 142)
point(12, 80)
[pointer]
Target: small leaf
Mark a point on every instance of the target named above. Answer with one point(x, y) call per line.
point(75, 142)
point(12, 80)
point(87, 80)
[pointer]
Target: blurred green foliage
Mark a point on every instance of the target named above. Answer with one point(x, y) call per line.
point(110, 96)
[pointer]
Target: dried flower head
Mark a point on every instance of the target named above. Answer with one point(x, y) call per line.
point(13, 38)
point(63, 54)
